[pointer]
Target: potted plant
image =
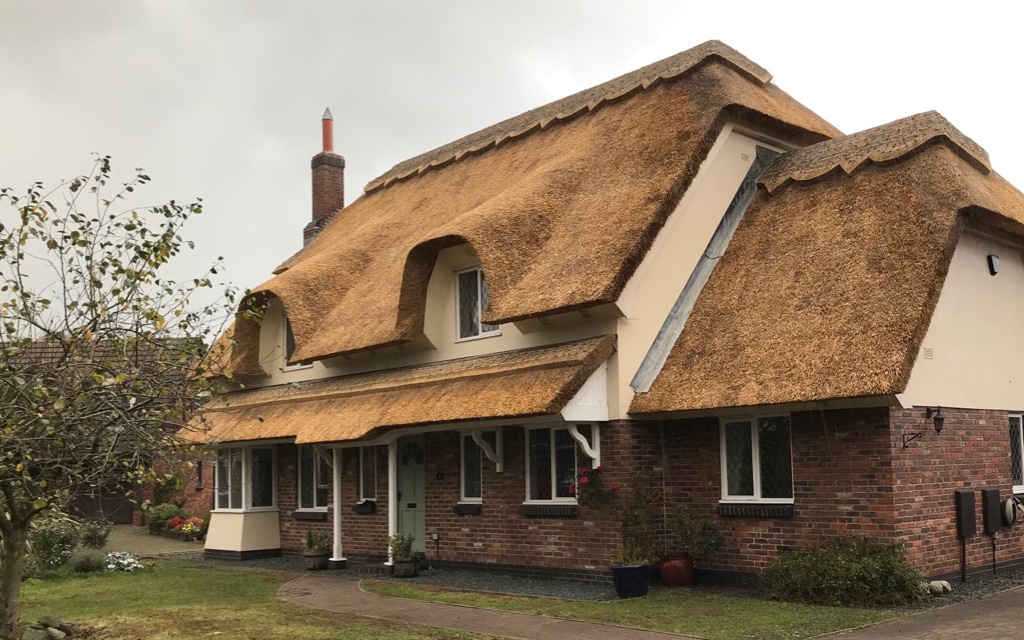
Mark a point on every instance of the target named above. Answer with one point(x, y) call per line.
point(404, 564)
point(317, 551)
point(631, 569)
point(694, 539)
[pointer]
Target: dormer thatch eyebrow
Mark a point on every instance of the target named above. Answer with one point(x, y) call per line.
point(571, 107)
point(885, 143)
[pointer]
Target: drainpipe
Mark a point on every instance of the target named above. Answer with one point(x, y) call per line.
point(392, 494)
point(338, 561)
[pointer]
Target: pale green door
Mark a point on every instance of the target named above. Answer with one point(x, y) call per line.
point(411, 503)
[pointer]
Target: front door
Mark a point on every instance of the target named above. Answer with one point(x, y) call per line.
point(411, 505)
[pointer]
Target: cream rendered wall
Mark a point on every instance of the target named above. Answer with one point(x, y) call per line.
point(649, 295)
point(243, 531)
point(976, 336)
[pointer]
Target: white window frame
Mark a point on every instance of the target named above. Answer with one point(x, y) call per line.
point(318, 462)
point(362, 489)
point(554, 461)
point(462, 471)
point(480, 310)
point(284, 348)
point(1018, 488)
point(246, 506)
point(755, 454)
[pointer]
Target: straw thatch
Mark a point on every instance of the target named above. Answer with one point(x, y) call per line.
point(560, 218)
point(515, 384)
point(828, 286)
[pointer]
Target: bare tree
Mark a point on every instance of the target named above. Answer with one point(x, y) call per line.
point(102, 357)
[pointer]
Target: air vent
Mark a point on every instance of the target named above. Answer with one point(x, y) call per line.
point(927, 353)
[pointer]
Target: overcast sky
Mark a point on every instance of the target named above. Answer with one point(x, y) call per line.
point(222, 100)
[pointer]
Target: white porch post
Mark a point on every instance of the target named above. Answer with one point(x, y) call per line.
point(338, 561)
point(392, 493)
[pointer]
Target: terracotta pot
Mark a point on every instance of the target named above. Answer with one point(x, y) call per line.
point(676, 571)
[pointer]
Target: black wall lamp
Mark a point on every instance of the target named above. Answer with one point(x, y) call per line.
point(938, 421)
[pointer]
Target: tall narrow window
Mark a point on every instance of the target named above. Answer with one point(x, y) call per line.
point(367, 473)
point(473, 300)
point(757, 459)
point(289, 340)
point(472, 481)
point(551, 464)
point(314, 479)
point(262, 477)
point(1017, 452)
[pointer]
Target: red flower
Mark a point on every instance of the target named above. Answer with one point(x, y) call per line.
point(615, 486)
point(598, 469)
point(572, 490)
point(586, 471)
point(584, 480)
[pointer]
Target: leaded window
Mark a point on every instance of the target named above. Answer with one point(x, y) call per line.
point(1017, 452)
point(367, 473)
point(551, 463)
point(472, 477)
point(757, 459)
point(473, 300)
point(314, 479)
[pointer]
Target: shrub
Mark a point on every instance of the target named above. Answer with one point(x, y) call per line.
point(95, 534)
point(161, 513)
point(845, 571)
point(91, 562)
point(53, 541)
point(121, 561)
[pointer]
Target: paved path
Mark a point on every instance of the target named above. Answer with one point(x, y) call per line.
point(995, 617)
point(138, 542)
point(342, 595)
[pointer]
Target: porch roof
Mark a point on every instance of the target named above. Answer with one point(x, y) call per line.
point(522, 383)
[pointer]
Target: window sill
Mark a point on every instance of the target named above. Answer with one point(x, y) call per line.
point(755, 510)
point(366, 506)
point(549, 510)
point(489, 334)
point(296, 367)
point(309, 515)
point(468, 509)
point(253, 510)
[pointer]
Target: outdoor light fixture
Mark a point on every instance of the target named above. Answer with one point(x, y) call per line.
point(993, 264)
point(937, 418)
point(938, 421)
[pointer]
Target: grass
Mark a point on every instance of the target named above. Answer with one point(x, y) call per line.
point(673, 610)
point(176, 602)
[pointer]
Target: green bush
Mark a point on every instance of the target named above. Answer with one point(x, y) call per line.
point(91, 562)
point(94, 534)
point(158, 516)
point(845, 571)
point(53, 541)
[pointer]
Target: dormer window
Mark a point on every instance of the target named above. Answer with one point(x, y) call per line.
point(472, 300)
point(289, 348)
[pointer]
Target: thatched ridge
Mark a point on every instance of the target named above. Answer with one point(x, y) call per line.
point(514, 384)
point(560, 218)
point(829, 284)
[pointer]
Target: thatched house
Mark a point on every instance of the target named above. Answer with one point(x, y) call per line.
point(682, 275)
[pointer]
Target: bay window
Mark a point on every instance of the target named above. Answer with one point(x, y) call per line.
point(245, 478)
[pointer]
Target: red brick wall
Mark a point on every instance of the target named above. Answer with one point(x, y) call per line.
point(841, 468)
point(972, 452)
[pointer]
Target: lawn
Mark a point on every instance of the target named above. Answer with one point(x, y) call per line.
point(673, 610)
point(177, 602)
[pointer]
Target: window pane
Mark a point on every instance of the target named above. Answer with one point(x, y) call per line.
point(540, 464)
point(739, 463)
point(1016, 455)
point(471, 484)
point(235, 479)
point(369, 473)
point(775, 457)
point(565, 463)
point(469, 309)
point(289, 339)
point(306, 477)
point(485, 302)
point(323, 480)
point(223, 481)
point(262, 477)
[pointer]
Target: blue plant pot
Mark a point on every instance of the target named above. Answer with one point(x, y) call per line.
point(631, 582)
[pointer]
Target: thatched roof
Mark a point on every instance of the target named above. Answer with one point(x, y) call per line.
point(515, 384)
point(828, 286)
point(561, 212)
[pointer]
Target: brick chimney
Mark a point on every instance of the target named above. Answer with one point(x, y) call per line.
point(328, 182)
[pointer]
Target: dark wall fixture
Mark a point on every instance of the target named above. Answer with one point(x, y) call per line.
point(938, 421)
point(993, 264)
